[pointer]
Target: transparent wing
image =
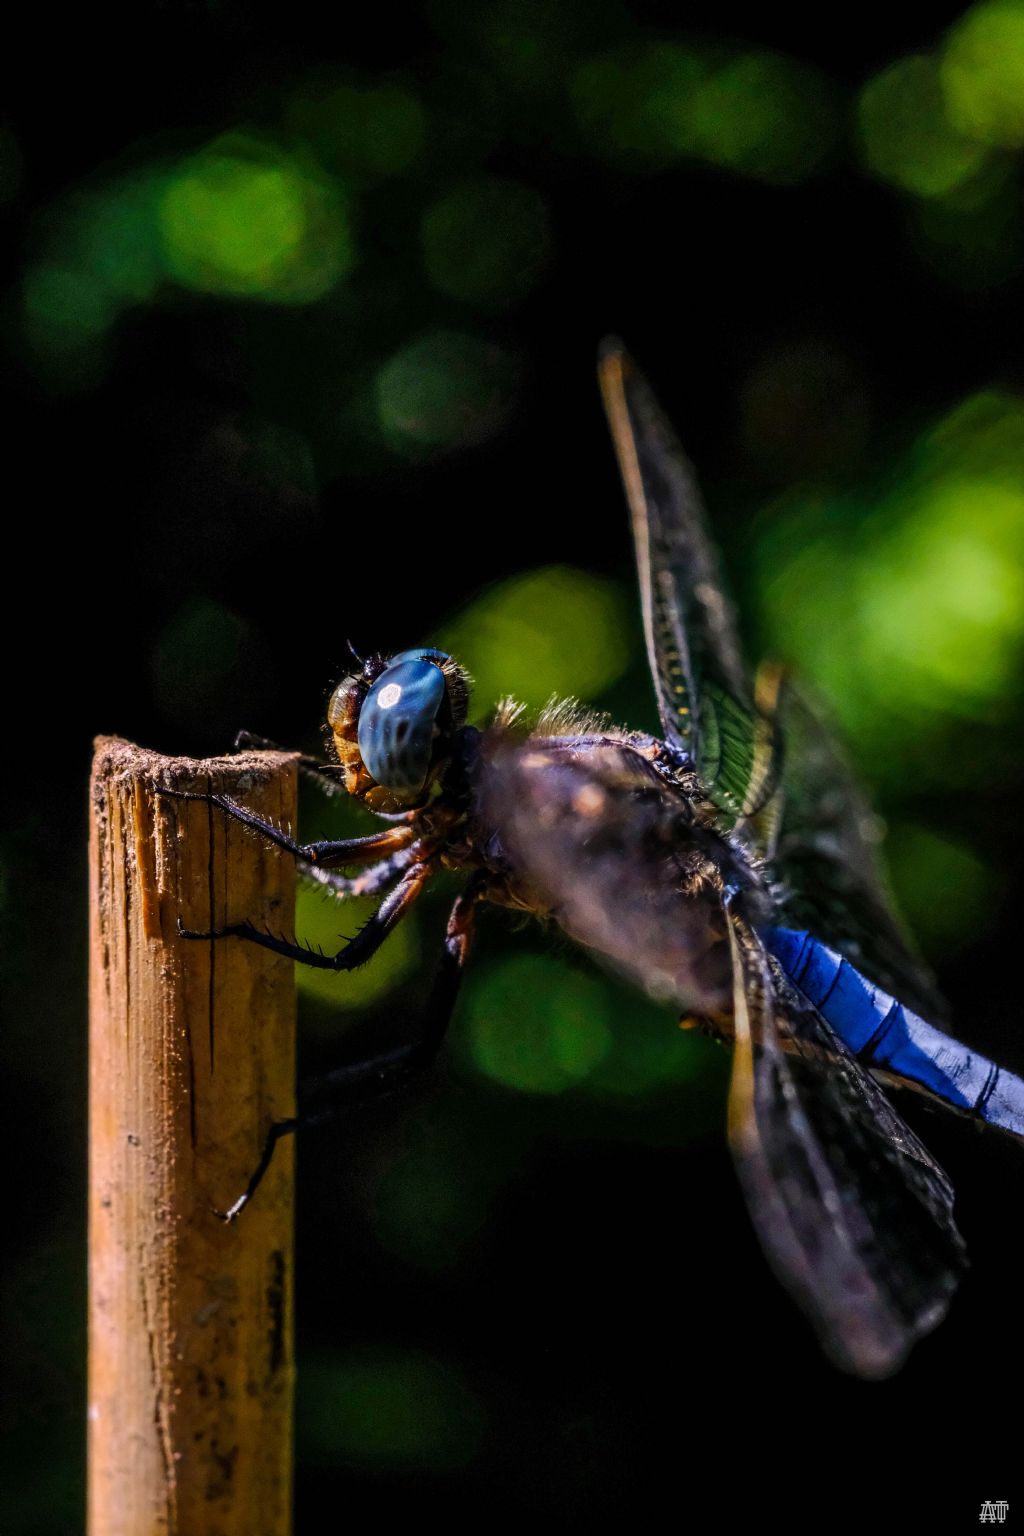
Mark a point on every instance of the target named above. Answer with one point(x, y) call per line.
point(853, 1213)
point(827, 859)
point(704, 697)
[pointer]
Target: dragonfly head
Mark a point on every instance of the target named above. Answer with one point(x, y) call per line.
point(392, 723)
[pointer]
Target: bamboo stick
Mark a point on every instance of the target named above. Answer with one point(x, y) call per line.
point(191, 1059)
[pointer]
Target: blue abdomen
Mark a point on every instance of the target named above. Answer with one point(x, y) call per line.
point(882, 1033)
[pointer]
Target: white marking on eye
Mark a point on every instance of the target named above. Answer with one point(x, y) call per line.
point(389, 695)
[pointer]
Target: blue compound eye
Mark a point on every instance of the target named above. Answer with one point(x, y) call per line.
point(396, 722)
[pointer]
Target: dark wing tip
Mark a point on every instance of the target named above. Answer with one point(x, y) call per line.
point(611, 349)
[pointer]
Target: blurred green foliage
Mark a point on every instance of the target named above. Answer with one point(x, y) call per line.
point(388, 1409)
point(757, 114)
point(950, 894)
point(432, 1204)
point(445, 390)
point(274, 216)
point(326, 923)
point(983, 73)
point(241, 218)
point(363, 130)
point(907, 136)
point(906, 603)
point(556, 1043)
point(486, 241)
point(581, 1032)
point(386, 239)
point(553, 632)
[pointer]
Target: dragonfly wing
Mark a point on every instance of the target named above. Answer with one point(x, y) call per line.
point(598, 840)
point(704, 696)
point(827, 860)
point(853, 1213)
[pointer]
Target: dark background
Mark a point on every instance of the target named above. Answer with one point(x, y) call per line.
point(525, 1289)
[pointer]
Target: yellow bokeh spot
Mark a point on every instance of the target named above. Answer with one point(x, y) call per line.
point(942, 888)
point(556, 630)
point(911, 610)
point(633, 103)
point(241, 218)
point(763, 116)
point(943, 602)
point(442, 391)
point(757, 113)
point(648, 1053)
point(326, 924)
point(906, 136)
point(983, 73)
point(537, 1026)
point(981, 438)
point(103, 257)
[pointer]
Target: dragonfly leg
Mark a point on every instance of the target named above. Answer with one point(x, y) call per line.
point(324, 775)
point(246, 740)
point(370, 880)
point(349, 850)
point(328, 1097)
point(357, 951)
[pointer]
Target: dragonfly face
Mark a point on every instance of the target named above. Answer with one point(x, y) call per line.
point(727, 866)
point(392, 724)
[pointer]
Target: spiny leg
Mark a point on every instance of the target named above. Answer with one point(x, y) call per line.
point(358, 950)
point(370, 881)
point(327, 776)
point(324, 775)
point(363, 1081)
point(350, 850)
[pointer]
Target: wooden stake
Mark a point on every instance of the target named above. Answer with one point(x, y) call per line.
point(191, 1060)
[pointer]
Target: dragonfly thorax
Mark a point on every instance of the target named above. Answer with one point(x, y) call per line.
point(392, 725)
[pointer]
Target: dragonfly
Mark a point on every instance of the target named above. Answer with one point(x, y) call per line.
point(728, 866)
